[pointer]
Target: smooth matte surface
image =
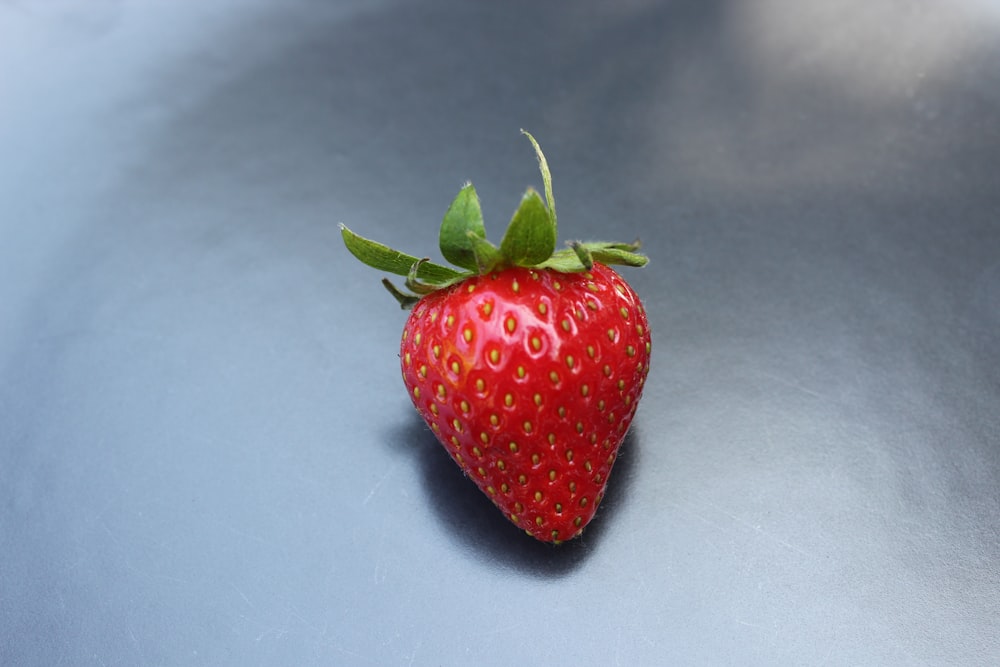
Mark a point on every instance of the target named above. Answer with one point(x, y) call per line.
point(207, 456)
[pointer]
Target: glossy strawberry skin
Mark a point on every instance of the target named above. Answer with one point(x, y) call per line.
point(530, 379)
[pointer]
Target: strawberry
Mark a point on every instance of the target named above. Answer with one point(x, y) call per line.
point(527, 365)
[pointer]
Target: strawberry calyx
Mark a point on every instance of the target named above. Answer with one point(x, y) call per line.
point(529, 241)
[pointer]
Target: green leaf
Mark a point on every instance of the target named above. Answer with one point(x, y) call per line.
point(413, 281)
point(530, 238)
point(571, 260)
point(613, 255)
point(462, 221)
point(563, 261)
point(406, 301)
point(543, 166)
point(583, 254)
point(617, 253)
point(487, 255)
point(384, 258)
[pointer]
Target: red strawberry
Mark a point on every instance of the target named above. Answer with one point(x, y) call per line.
point(529, 365)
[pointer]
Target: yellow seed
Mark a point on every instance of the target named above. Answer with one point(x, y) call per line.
point(562, 412)
point(620, 288)
point(434, 316)
point(416, 392)
point(501, 464)
point(592, 305)
point(441, 391)
point(536, 343)
point(607, 370)
point(593, 438)
point(494, 420)
point(423, 370)
point(569, 454)
point(624, 311)
point(513, 447)
point(495, 355)
point(434, 409)
point(648, 346)
point(558, 508)
point(455, 367)
point(538, 399)
point(480, 385)
point(590, 351)
point(577, 521)
point(504, 487)
point(490, 490)
point(527, 427)
point(467, 335)
point(484, 437)
point(508, 400)
point(552, 475)
point(598, 478)
point(472, 288)
point(611, 335)
point(538, 520)
point(587, 466)
point(482, 473)
point(454, 441)
point(515, 287)
point(556, 285)
point(487, 308)
point(542, 309)
point(406, 358)
point(406, 334)
point(579, 427)
point(450, 322)
point(416, 339)
point(569, 360)
point(621, 384)
point(554, 376)
point(538, 496)
point(457, 425)
point(600, 405)
point(572, 487)
point(522, 480)
point(521, 372)
point(513, 517)
point(555, 537)
point(584, 390)
point(511, 324)
point(552, 438)
point(477, 451)
point(535, 459)
point(629, 350)
point(565, 325)
point(437, 351)
point(639, 329)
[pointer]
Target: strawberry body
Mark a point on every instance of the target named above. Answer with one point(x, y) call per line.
point(530, 379)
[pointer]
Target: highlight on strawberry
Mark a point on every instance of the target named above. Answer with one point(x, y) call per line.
point(527, 362)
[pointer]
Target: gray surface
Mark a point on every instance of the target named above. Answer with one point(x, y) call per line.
point(207, 457)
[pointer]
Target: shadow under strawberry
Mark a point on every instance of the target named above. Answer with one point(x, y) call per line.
point(476, 525)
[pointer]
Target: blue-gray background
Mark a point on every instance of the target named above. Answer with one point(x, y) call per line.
point(207, 457)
